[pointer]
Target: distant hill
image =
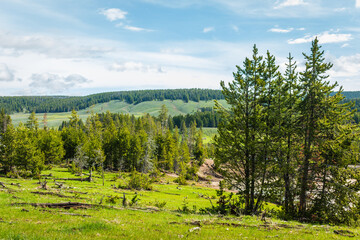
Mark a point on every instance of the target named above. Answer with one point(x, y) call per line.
point(176, 107)
point(53, 104)
point(59, 104)
point(351, 94)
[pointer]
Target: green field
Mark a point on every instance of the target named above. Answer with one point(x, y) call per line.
point(143, 220)
point(152, 107)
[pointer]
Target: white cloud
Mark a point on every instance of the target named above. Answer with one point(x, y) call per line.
point(346, 66)
point(208, 29)
point(357, 3)
point(235, 28)
point(325, 37)
point(59, 47)
point(344, 45)
point(301, 29)
point(346, 71)
point(56, 83)
point(339, 9)
point(136, 67)
point(280, 30)
point(291, 3)
point(137, 29)
point(113, 14)
point(6, 75)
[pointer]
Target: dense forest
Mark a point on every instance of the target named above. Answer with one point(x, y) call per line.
point(107, 141)
point(42, 104)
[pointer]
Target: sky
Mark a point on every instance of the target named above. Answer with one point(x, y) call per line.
point(80, 47)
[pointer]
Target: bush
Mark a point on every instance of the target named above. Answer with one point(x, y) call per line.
point(227, 203)
point(139, 181)
point(181, 180)
point(160, 204)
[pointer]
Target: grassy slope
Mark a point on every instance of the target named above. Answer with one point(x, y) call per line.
point(153, 107)
point(26, 222)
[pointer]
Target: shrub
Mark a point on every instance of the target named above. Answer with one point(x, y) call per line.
point(159, 204)
point(139, 181)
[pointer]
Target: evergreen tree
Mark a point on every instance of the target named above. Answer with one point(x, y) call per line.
point(32, 122)
point(239, 141)
point(51, 144)
point(315, 94)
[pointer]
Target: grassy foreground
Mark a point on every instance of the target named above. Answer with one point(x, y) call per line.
point(145, 220)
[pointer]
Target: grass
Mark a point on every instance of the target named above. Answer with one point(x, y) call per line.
point(143, 221)
point(208, 134)
point(176, 107)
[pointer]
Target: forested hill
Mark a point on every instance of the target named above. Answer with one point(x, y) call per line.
point(41, 104)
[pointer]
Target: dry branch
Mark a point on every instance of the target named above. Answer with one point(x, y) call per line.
point(88, 179)
point(66, 205)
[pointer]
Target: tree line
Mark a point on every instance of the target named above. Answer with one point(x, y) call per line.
point(289, 140)
point(47, 104)
point(118, 142)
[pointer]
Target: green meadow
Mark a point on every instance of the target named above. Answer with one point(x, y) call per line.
point(175, 107)
point(168, 211)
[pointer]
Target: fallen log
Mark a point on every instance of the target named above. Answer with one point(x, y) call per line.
point(88, 179)
point(15, 184)
point(51, 193)
point(75, 214)
point(46, 175)
point(3, 185)
point(176, 194)
point(66, 205)
point(345, 233)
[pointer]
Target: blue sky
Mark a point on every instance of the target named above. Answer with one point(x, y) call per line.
point(67, 47)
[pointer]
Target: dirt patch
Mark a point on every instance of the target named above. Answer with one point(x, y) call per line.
point(207, 173)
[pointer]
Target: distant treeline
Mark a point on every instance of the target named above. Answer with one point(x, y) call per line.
point(42, 104)
point(204, 117)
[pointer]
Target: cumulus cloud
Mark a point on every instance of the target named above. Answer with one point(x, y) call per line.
point(346, 66)
point(137, 29)
point(208, 29)
point(135, 67)
point(6, 75)
point(290, 3)
point(55, 82)
point(280, 30)
point(325, 37)
point(49, 46)
point(357, 3)
point(346, 71)
point(113, 14)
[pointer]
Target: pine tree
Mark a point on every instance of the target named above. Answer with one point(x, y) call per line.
point(238, 142)
point(50, 143)
point(32, 122)
point(315, 92)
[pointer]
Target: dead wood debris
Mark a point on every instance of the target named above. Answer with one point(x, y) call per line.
point(75, 214)
point(88, 179)
point(345, 233)
point(52, 194)
point(66, 205)
point(266, 226)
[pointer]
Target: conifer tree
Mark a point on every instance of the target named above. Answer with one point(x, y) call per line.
point(238, 143)
point(315, 93)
